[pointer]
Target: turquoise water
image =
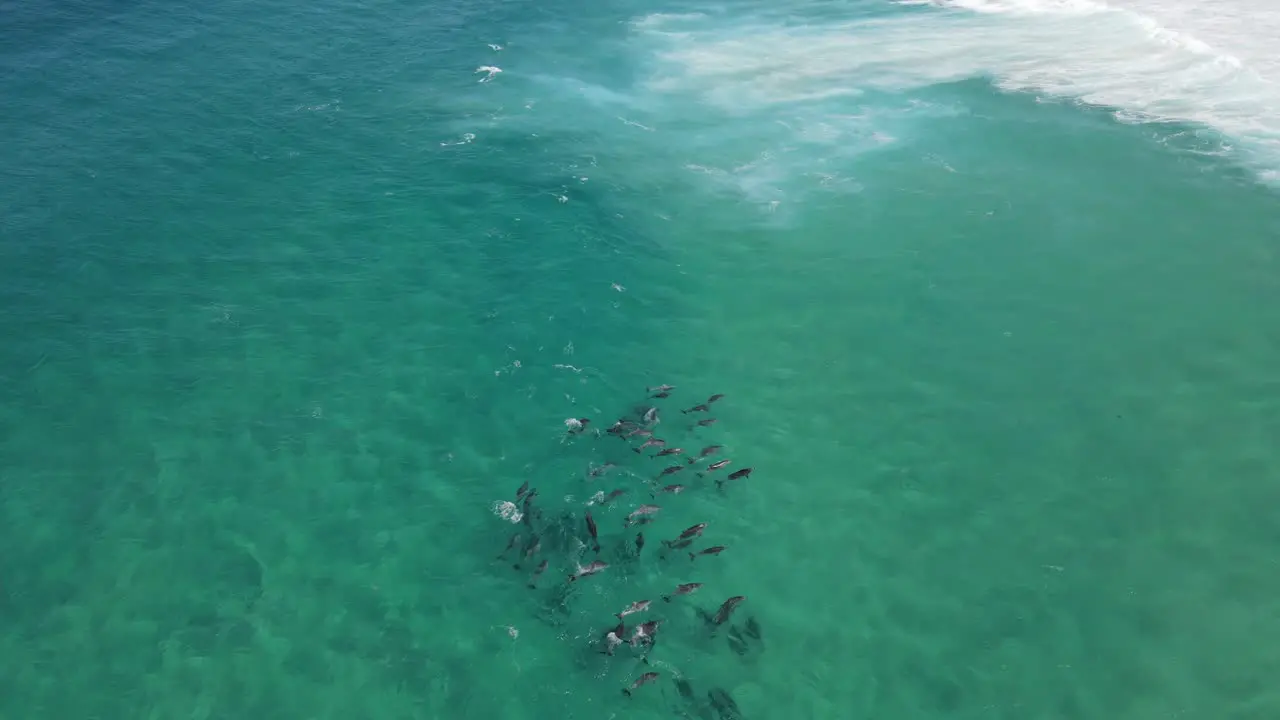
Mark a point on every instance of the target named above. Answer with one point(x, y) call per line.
point(290, 298)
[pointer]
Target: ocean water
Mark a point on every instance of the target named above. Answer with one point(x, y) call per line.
point(294, 295)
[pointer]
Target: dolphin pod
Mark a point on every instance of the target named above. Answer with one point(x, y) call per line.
point(640, 429)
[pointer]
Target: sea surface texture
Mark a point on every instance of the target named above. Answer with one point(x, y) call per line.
point(294, 296)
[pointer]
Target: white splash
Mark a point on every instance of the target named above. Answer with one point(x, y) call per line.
point(466, 139)
point(508, 511)
point(492, 70)
point(573, 424)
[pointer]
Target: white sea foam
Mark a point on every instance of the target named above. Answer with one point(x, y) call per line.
point(1029, 7)
point(1208, 63)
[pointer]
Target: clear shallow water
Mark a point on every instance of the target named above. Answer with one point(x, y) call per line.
point(290, 299)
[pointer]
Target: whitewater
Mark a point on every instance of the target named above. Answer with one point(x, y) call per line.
point(1205, 67)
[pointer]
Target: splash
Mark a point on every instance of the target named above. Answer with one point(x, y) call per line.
point(466, 140)
point(508, 511)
